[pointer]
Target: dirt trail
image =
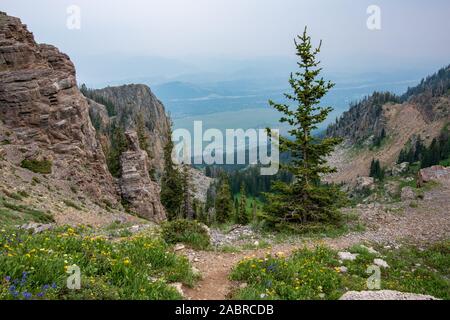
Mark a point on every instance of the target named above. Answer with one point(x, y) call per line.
point(429, 222)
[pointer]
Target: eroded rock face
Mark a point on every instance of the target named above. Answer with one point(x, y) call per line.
point(363, 183)
point(434, 173)
point(141, 193)
point(134, 100)
point(45, 114)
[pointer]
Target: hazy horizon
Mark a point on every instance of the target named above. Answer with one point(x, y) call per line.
point(188, 37)
point(218, 60)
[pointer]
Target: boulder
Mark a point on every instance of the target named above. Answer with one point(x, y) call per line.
point(37, 227)
point(434, 173)
point(380, 263)
point(384, 295)
point(179, 247)
point(347, 256)
point(364, 183)
point(399, 169)
point(179, 287)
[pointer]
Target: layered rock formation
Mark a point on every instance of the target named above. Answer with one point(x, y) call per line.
point(45, 114)
point(437, 174)
point(138, 190)
point(134, 101)
point(45, 123)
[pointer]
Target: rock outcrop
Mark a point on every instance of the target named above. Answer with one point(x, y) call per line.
point(384, 295)
point(434, 173)
point(138, 190)
point(45, 115)
point(200, 183)
point(134, 101)
point(382, 125)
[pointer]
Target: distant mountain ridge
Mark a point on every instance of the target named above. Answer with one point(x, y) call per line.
point(365, 118)
point(382, 125)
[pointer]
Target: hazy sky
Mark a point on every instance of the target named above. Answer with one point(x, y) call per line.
point(413, 31)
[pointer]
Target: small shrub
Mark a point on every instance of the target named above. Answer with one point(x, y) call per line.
point(15, 196)
point(186, 231)
point(23, 193)
point(35, 181)
point(36, 166)
point(31, 214)
point(72, 204)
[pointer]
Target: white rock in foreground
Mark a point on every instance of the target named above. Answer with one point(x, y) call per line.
point(179, 247)
point(384, 295)
point(381, 263)
point(347, 256)
point(179, 287)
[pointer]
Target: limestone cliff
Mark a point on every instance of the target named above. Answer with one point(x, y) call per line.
point(422, 111)
point(131, 102)
point(139, 192)
point(45, 114)
point(49, 148)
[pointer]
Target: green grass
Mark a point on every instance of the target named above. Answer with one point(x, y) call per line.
point(35, 181)
point(445, 163)
point(139, 268)
point(72, 204)
point(294, 232)
point(314, 274)
point(305, 275)
point(13, 195)
point(188, 232)
point(119, 230)
point(11, 213)
point(36, 166)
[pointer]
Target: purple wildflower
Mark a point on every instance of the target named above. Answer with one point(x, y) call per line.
point(27, 295)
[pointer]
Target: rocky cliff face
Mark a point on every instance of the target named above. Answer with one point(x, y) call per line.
point(138, 190)
point(44, 113)
point(370, 116)
point(49, 148)
point(364, 119)
point(134, 101)
point(422, 111)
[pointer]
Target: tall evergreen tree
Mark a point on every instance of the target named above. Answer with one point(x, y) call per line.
point(242, 216)
point(306, 199)
point(118, 145)
point(187, 209)
point(236, 206)
point(254, 211)
point(375, 170)
point(224, 204)
point(171, 184)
